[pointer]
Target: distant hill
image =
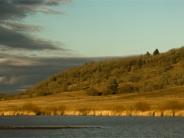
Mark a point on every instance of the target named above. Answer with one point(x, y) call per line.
point(16, 76)
point(141, 73)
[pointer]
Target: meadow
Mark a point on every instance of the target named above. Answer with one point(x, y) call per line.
point(168, 102)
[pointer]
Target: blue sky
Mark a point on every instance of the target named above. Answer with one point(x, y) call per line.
point(114, 27)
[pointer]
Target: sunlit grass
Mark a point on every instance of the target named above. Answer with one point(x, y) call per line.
point(79, 102)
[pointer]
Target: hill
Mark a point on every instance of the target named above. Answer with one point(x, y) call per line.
point(143, 73)
point(145, 85)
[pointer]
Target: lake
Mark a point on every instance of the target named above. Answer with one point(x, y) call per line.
point(92, 127)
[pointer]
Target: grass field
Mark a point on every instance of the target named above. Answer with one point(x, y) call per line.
point(168, 99)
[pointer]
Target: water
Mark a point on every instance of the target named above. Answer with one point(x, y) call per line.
point(110, 127)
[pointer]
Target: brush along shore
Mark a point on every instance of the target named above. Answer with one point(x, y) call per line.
point(166, 113)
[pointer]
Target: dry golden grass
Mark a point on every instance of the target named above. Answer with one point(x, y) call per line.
point(168, 99)
point(30, 107)
point(142, 106)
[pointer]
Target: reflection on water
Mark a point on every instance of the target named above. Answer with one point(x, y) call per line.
point(105, 127)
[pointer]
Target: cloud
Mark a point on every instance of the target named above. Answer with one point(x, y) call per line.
point(14, 34)
point(18, 73)
point(24, 59)
point(61, 52)
point(15, 61)
point(14, 39)
point(12, 9)
point(20, 27)
point(4, 80)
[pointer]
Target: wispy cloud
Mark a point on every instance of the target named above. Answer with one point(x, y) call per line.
point(16, 35)
point(21, 27)
point(4, 80)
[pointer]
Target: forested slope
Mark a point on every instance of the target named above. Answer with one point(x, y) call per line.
point(142, 73)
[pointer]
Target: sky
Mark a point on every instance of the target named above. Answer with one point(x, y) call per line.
point(115, 27)
point(41, 37)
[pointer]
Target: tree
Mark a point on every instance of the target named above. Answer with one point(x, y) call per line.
point(156, 52)
point(148, 54)
point(113, 86)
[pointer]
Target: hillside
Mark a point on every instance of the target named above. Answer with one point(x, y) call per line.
point(142, 73)
point(145, 85)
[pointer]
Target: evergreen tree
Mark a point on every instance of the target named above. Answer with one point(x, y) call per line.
point(113, 86)
point(148, 54)
point(156, 52)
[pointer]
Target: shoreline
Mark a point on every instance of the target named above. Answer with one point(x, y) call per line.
point(47, 127)
point(108, 113)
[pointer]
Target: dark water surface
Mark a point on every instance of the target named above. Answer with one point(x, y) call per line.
point(96, 127)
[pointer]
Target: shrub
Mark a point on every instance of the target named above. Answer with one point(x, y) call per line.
point(44, 93)
point(84, 111)
point(153, 85)
point(107, 91)
point(31, 107)
point(112, 87)
point(118, 108)
point(58, 110)
point(93, 92)
point(142, 106)
point(128, 87)
point(173, 105)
